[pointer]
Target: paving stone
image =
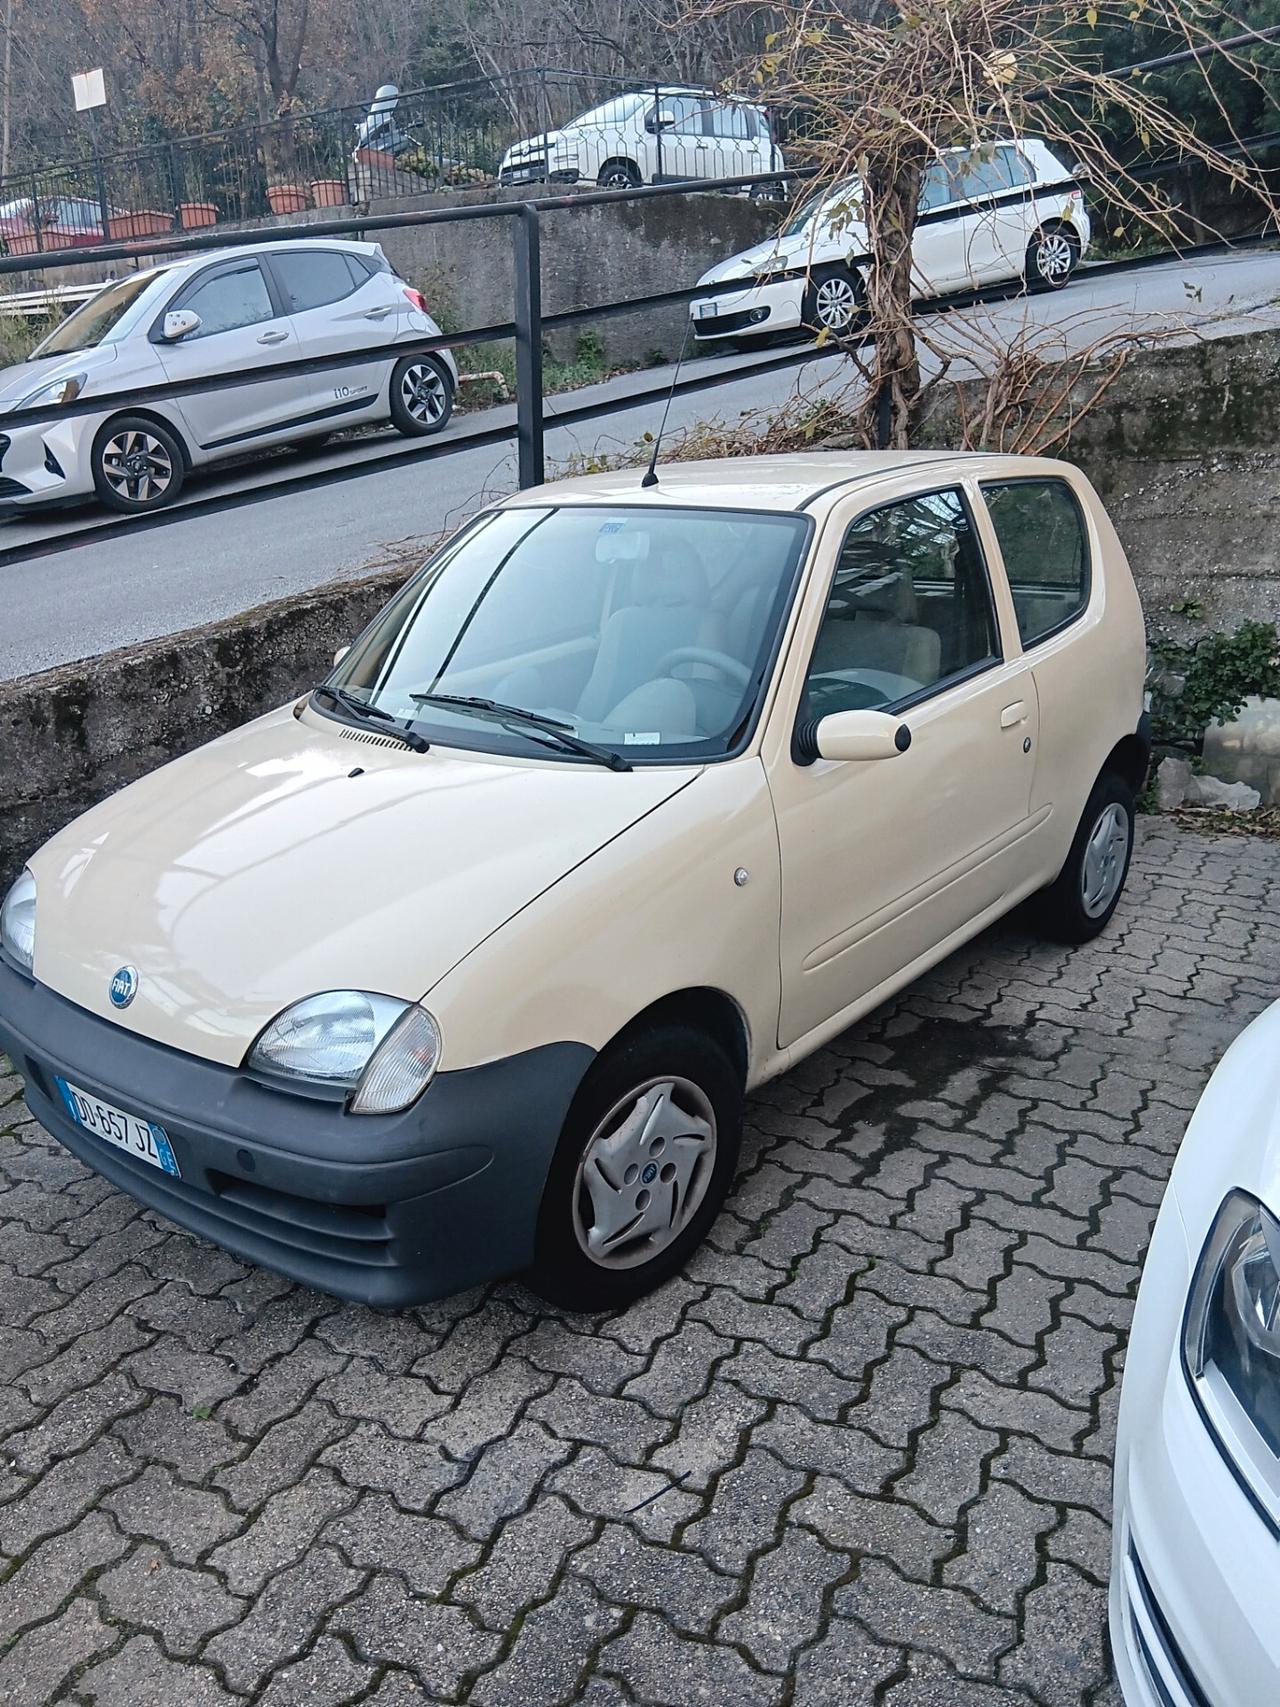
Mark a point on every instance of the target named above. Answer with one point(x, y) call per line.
point(187, 1606)
point(930, 1682)
point(283, 1619)
point(845, 1667)
point(36, 1663)
point(425, 1551)
point(282, 1531)
point(523, 1561)
point(187, 1521)
point(629, 1571)
point(413, 1472)
point(557, 1643)
point(885, 1528)
point(659, 1665)
point(649, 1500)
point(63, 1493)
point(55, 1570)
point(746, 1508)
point(165, 1433)
point(1083, 1540)
point(680, 1369)
point(709, 1435)
point(946, 1471)
point(439, 1645)
point(1040, 1415)
point(1063, 1652)
point(280, 1457)
point(73, 1423)
point(325, 1677)
point(910, 1615)
point(999, 1561)
point(504, 1479)
point(837, 1449)
point(624, 1428)
point(280, 1389)
point(139, 1675)
point(785, 1596)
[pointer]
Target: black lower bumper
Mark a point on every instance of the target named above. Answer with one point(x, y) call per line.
point(381, 1209)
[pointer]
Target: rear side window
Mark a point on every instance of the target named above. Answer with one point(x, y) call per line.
point(312, 278)
point(1046, 553)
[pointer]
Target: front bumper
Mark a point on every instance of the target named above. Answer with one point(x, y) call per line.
point(1194, 1567)
point(381, 1209)
point(48, 461)
point(755, 309)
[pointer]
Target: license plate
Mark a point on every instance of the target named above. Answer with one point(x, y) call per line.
point(129, 1132)
point(706, 311)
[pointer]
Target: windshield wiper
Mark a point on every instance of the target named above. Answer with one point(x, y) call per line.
point(363, 712)
point(560, 733)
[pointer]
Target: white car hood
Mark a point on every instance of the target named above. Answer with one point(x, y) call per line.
point(784, 254)
point(533, 145)
point(299, 855)
point(22, 378)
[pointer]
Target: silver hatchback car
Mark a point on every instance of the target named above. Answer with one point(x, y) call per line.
point(214, 313)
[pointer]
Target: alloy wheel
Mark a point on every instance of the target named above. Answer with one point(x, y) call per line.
point(1105, 852)
point(835, 304)
point(1054, 257)
point(422, 391)
point(644, 1172)
point(137, 466)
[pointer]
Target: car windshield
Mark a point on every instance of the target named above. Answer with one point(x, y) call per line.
point(614, 111)
point(93, 320)
point(645, 631)
point(840, 205)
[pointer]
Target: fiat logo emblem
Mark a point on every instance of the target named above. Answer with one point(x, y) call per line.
point(123, 987)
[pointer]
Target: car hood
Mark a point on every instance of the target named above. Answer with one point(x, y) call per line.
point(298, 855)
point(20, 380)
point(782, 254)
point(533, 145)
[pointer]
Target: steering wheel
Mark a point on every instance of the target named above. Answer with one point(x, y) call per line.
point(727, 666)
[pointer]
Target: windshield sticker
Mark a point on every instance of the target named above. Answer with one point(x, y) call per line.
point(642, 738)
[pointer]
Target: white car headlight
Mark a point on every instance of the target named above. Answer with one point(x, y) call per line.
point(384, 1049)
point(64, 390)
point(1231, 1336)
point(18, 922)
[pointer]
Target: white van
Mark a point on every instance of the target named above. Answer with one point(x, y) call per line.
point(649, 136)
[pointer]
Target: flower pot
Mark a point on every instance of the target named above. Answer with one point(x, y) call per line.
point(23, 243)
point(376, 159)
point(328, 192)
point(286, 198)
point(194, 214)
point(145, 223)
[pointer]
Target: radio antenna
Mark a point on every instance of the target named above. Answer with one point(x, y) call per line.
point(651, 473)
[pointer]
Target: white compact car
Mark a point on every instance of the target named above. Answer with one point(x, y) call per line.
point(462, 964)
point(649, 136)
point(999, 212)
point(215, 313)
point(1196, 1564)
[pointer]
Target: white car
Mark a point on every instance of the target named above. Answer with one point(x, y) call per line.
point(649, 136)
point(215, 313)
point(1196, 1564)
point(1003, 211)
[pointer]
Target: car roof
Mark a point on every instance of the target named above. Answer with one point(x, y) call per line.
point(186, 263)
point(790, 482)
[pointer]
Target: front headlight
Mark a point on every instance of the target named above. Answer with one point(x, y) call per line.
point(1231, 1339)
point(60, 391)
point(18, 922)
point(383, 1049)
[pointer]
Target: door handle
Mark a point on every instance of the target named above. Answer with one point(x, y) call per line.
point(272, 337)
point(377, 313)
point(1013, 714)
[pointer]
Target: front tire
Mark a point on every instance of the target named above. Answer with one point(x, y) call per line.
point(137, 465)
point(645, 1161)
point(619, 175)
point(1052, 256)
point(1078, 906)
point(833, 301)
point(421, 396)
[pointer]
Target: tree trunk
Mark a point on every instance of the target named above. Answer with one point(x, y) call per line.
point(6, 91)
point(891, 190)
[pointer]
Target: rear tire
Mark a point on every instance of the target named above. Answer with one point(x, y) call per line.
point(646, 1159)
point(1052, 256)
point(1078, 906)
point(137, 465)
point(421, 396)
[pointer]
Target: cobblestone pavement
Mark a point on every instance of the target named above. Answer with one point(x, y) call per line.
point(859, 1454)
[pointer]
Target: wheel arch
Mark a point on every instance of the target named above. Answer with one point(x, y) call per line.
point(632, 166)
point(143, 413)
point(1130, 760)
point(703, 1008)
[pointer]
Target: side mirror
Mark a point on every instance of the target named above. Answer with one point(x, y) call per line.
point(659, 121)
point(179, 323)
point(340, 654)
point(861, 735)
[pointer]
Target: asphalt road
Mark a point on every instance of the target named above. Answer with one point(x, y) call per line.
point(82, 599)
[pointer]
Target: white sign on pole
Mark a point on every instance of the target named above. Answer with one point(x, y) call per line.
point(90, 89)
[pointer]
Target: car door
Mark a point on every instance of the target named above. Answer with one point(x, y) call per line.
point(885, 860)
point(242, 325)
point(337, 303)
point(677, 141)
point(733, 144)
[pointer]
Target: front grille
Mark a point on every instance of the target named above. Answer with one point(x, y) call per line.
point(523, 171)
point(1174, 1664)
point(736, 322)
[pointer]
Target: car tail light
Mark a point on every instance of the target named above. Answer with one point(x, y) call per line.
point(417, 299)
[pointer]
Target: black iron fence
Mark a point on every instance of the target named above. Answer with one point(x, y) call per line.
point(535, 126)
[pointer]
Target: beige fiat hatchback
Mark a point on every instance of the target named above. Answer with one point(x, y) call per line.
point(462, 965)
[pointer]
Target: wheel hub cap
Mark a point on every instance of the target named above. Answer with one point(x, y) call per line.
point(137, 466)
point(423, 394)
point(1104, 861)
point(1055, 257)
point(644, 1172)
point(835, 304)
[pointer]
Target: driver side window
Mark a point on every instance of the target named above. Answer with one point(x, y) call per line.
point(909, 610)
